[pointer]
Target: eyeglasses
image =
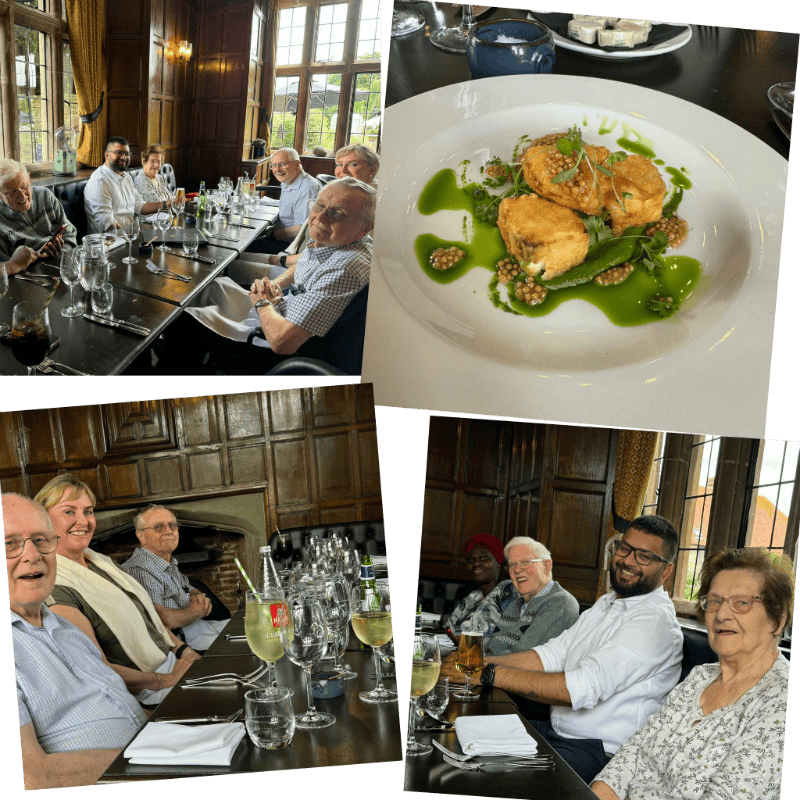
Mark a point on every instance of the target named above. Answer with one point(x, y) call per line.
point(23, 190)
point(739, 603)
point(44, 544)
point(277, 164)
point(162, 527)
point(643, 557)
point(525, 564)
point(120, 152)
point(333, 214)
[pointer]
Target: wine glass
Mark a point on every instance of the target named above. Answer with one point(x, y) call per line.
point(3, 289)
point(469, 661)
point(404, 22)
point(424, 674)
point(263, 618)
point(30, 333)
point(284, 547)
point(438, 698)
point(70, 271)
point(163, 220)
point(350, 565)
point(110, 236)
point(454, 39)
point(91, 261)
point(304, 640)
point(372, 624)
point(130, 230)
point(179, 202)
point(338, 612)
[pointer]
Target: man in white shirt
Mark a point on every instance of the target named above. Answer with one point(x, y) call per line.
point(610, 671)
point(110, 192)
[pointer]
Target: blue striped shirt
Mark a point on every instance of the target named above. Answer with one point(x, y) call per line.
point(74, 700)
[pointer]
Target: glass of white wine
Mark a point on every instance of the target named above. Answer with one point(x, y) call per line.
point(372, 624)
point(469, 661)
point(424, 674)
point(262, 621)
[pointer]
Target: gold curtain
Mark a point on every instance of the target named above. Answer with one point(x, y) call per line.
point(635, 454)
point(87, 29)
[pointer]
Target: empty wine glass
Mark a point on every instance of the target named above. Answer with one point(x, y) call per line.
point(424, 674)
point(130, 230)
point(305, 640)
point(110, 230)
point(163, 220)
point(70, 272)
point(337, 613)
point(3, 289)
point(30, 333)
point(454, 39)
point(372, 624)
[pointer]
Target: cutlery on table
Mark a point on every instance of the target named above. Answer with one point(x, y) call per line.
point(460, 757)
point(208, 233)
point(127, 323)
point(167, 273)
point(257, 672)
point(425, 713)
point(48, 365)
point(32, 279)
point(235, 637)
point(476, 765)
point(203, 720)
point(204, 259)
point(116, 323)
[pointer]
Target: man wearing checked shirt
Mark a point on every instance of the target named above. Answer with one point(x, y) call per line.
point(75, 713)
point(610, 671)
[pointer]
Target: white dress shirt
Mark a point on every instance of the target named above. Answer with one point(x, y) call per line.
point(621, 659)
point(107, 195)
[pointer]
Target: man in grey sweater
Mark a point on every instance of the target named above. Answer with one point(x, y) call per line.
point(543, 610)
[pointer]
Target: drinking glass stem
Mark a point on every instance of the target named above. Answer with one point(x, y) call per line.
point(130, 244)
point(378, 671)
point(467, 687)
point(273, 681)
point(412, 716)
point(312, 711)
point(72, 295)
point(467, 20)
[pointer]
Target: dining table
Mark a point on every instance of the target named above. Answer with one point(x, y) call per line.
point(362, 733)
point(148, 300)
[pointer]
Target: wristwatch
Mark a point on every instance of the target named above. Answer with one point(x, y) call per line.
point(487, 676)
point(261, 303)
point(163, 205)
point(282, 260)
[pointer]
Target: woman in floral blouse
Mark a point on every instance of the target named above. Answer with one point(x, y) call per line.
point(720, 733)
point(149, 182)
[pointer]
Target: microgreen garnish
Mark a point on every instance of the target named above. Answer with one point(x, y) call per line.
point(487, 206)
point(650, 249)
point(597, 229)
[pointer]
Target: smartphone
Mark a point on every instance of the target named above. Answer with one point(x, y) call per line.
point(53, 237)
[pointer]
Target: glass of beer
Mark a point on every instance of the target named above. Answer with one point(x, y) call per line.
point(30, 333)
point(424, 674)
point(372, 624)
point(469, 661)
point(262, 622)
point(179, 203)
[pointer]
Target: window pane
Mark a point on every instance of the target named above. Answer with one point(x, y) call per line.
point(772, 495)
point(365, 122)
point(284, 110)
point(291, 35)
point(323, 111)
point(331, 30)
point(696, 514)
point(38, 4)
point(369, 31)
point(71, 116)
point(32, 80)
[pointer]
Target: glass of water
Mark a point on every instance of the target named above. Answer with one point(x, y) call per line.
point(102, 298)
point(437, 699)
point(190, 242)
point(269, 717)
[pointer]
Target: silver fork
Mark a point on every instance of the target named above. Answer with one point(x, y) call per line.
point(462, 758)
point(256, 673)
point(48, 366)
point(476, 765)
point(167, 273)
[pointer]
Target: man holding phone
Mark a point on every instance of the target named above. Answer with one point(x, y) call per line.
point(32, 220)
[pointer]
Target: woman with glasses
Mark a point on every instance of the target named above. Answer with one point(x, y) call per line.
point(107, 604)
point(720, 733)
point(482, 608)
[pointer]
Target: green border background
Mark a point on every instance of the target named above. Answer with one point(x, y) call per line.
point(402, 443)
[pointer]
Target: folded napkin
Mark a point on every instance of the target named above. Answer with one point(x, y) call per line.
point(168, 743)
point(501, 733)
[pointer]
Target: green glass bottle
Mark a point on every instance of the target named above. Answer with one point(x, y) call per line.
point(369, 591)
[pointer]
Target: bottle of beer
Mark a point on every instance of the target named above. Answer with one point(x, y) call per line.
point(418, 625)
point(369, 590)
point(201, 198)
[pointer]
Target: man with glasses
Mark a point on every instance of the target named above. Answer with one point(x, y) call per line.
point(110, 192)
point(75, 713)
point(179, 605)
point(298, 188)
point(30, 218)
point(613, 668)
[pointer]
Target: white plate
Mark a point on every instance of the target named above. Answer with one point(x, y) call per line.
point(678, 40)
point(704, 370)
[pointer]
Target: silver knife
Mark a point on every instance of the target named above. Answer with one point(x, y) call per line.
point(127, 322)
point(113, 323)
point(201, 720)
point(34, 280)
point(193, 258)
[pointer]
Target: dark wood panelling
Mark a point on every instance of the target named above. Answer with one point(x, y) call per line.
point(248, 465)
point(198, 420)
point(334, 466)
point(243, 416)
point(368, 462)
point(290, 464)
point(331, 405)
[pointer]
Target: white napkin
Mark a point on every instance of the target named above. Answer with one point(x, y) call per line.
point(501, 733)
point(169, 743)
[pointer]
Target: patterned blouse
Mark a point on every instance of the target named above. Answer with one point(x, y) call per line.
point(479, 613)
point(150, 193)
point(682, 754)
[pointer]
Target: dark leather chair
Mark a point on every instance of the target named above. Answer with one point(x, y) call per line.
point(70, 195)
point(323, 179)
point(169, 176)
point(304, 366)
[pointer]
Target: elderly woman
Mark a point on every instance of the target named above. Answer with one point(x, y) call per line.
point(482, 608)
point(149, 182)
point(107, 604)
point(720, 733)
point(358, 161)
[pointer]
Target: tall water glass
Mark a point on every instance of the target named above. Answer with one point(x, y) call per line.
point(424, 674)
point(91, 257)
point(102, 298)
point(372, 624)
point(110, 230)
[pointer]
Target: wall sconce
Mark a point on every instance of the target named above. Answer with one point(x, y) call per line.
point(184, 50)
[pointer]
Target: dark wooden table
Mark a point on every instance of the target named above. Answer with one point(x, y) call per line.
point(725, 70)
point(363, 732)
point(430, 773)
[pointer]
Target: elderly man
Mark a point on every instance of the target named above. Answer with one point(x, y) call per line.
point(30, 219)
point(613, 668)
point(332, 270)
point(177, 603)
point(75, 713)
point(298, 188)
point(110, 192)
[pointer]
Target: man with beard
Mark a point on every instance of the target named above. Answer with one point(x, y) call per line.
point(604, 676)
point(110, 192)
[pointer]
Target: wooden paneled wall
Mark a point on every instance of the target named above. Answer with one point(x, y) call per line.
point(550, 482)
point(313, 452)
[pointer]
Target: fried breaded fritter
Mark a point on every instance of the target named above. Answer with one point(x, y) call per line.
point(585, 192)
point(536, 230)
point(639, 176)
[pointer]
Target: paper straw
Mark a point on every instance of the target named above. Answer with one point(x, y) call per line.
point(249, 582)
point(56, 283)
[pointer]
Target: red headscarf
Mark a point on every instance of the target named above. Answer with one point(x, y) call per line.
point(491, 543)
